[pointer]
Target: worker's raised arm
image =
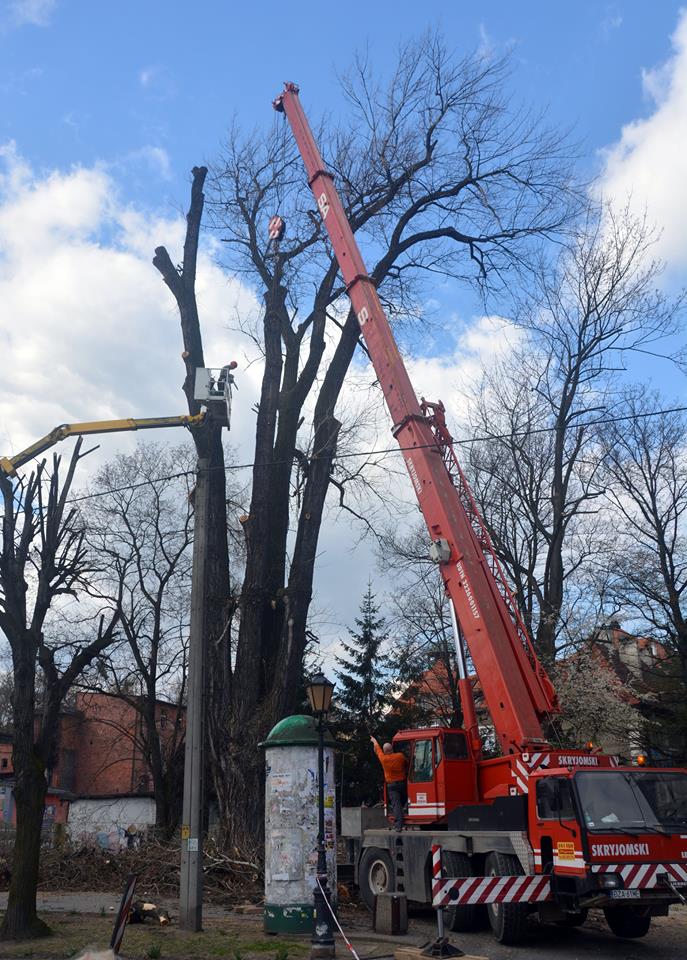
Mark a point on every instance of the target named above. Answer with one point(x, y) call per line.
point(378, 750)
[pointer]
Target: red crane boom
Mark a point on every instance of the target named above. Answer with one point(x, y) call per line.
point(516, 688)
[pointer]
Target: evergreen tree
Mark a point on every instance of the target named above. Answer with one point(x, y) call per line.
point(363, 678)
point(362, 703)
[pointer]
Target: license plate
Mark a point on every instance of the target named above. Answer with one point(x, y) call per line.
point(623, 894)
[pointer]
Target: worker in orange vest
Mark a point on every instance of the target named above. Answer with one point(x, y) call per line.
point(394, 765)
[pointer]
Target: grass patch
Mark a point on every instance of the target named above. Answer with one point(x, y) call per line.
point(229, 939)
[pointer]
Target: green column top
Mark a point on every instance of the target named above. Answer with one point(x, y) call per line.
point(297, 731)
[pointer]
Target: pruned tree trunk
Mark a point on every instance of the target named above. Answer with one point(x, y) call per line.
point(207, 438)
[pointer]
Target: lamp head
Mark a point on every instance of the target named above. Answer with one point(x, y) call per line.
point(319, 692)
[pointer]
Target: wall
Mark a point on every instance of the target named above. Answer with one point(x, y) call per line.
point(104, 821)
point(109, 758)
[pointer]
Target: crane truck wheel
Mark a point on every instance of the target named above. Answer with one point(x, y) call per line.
point(464, 918)
point(375, 875)
point(628, 922)
point(508, 921)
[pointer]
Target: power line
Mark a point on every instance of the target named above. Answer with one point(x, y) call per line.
point(373, 453)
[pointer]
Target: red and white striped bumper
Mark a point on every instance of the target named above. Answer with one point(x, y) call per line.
point(490, 890)
point(639, 876)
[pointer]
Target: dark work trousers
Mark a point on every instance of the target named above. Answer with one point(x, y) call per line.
point(397, 796)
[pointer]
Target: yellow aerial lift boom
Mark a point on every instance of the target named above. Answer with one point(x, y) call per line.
point(213, 388)
point(10, 464)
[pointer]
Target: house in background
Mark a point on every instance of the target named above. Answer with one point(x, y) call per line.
point(642, 666)
point(101, 786)
point(611, 663)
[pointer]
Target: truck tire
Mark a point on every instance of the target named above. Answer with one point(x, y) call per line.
point(627, 922)
point(508, 921)
point(464, 918)
point(375, 874)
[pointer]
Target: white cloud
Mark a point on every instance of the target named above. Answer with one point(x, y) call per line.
point(89, 329)
point(155, 158)
point(34, 12)
point(91, 332)
point(647, 163)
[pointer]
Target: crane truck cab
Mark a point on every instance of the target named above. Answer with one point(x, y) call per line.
point(442, 772)
point(611, 837)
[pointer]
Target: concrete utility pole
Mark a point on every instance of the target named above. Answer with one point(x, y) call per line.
point(191, 888)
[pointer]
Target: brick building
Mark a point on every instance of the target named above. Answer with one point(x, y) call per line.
point(100, 758)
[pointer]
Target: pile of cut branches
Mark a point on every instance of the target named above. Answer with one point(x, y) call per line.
point(229, 876)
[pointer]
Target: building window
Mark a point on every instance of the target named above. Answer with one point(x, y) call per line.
point(4, 763)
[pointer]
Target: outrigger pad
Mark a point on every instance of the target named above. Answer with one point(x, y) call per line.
point(441, 947)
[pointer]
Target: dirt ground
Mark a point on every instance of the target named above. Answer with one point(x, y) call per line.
point(666, 940)
point(86, 919)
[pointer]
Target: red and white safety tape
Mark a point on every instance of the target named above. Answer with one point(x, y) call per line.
point(336, 921)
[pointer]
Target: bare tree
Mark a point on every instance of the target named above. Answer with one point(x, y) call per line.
point(422, 653)
point(140, 525)
point(645, 467)
point(536, 465)
point(6, 688)
point(43, 559)
point(440, 178)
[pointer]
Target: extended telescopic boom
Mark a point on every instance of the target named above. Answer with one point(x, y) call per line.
point(517, 690)
point(10, 465)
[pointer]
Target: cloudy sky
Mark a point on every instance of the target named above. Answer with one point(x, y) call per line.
point(105, 108)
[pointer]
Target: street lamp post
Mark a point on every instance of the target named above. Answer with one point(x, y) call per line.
point(319, 692)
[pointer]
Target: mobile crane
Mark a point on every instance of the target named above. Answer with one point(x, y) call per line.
point(539, 829)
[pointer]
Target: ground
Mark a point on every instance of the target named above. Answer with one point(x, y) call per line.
point(80, 920)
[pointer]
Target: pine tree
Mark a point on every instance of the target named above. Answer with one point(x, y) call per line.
point(363, 679)
point(362, 702)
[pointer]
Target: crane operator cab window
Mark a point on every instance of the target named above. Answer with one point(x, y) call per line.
point(554, 799)
point(455, 746)
point(422, 769)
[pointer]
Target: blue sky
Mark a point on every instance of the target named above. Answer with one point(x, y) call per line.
point(84, 81)
point(104, 109)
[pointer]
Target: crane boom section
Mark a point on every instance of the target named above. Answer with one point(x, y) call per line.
point(65, 430)
point(517, 691)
